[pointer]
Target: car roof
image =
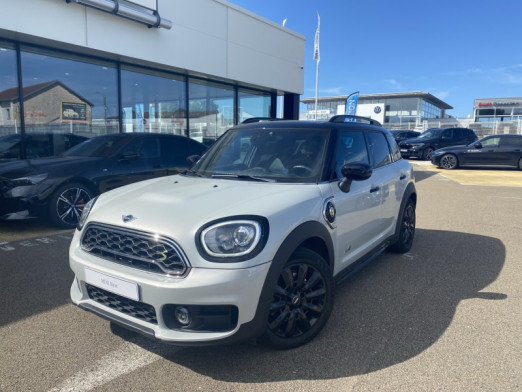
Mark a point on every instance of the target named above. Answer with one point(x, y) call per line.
point(310, 124)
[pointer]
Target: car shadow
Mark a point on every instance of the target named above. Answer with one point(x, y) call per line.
point(389, 312)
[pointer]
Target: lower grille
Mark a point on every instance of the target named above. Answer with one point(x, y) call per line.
point(128, 306)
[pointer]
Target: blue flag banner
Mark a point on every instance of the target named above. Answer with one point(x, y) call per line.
point(351, 104)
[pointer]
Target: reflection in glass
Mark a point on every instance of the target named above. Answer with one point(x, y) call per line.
point(211, 110)
point(153, 103)
point(9, 107)
point(253, 104)
point(68, 95)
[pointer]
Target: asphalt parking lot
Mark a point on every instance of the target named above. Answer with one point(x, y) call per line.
point(445, 317)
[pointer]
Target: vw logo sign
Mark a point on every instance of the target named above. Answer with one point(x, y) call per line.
point(377, 109)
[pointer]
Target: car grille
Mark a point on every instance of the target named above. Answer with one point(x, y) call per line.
point(144, 251)
point(128, 306)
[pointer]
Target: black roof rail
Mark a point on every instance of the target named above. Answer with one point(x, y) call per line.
point(260, 119)
point(344, 117)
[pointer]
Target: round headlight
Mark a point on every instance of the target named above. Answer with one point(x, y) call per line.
point(232, 238)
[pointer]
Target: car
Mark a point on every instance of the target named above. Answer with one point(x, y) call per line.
point(432, 139)
point(403, 134)
point(499, 151)
point(248, 243)
point(58, 187)
point(37, 145)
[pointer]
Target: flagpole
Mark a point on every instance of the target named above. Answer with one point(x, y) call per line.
point(317, 57)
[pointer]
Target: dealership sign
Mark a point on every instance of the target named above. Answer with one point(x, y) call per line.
point(74, 111)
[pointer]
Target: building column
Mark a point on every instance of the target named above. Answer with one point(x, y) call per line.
point(291, 107)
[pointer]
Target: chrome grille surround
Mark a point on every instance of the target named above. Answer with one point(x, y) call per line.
point(141, 250)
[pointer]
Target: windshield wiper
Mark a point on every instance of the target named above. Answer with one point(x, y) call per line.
point(192, 173)
point(241, 177)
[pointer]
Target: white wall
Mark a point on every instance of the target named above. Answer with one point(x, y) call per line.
point(208, 38)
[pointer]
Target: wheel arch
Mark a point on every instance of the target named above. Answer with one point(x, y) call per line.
point(410, 193)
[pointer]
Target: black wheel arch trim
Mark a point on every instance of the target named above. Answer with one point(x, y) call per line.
point(409, 193)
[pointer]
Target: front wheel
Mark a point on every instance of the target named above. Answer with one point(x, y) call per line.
point(302, 301)
point(449, 161)
point(67, 204)
point(428, 152)
point(520, 164)
point(406, 229)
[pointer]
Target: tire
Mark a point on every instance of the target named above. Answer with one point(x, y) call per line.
point(520, 164)
point(449, 161)
point(66, 204)
point(426, 154)
point(406, 230)
point(302, 301)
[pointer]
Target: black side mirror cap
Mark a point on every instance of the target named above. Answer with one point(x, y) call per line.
point(354, 172)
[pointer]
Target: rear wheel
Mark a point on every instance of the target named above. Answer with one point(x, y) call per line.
point(449, 161)
point(302, 301)
point(520, 164)
point(406, 230)
point(67, 204)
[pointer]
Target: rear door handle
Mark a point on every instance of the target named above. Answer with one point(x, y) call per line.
point(402, 177)
point(374, 189)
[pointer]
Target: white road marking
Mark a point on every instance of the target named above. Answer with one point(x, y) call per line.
point(126, 359)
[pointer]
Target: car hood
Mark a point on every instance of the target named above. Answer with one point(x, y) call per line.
point(417, 140)
point(62, 165)
point(179, 206)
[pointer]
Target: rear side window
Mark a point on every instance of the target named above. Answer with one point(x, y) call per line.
point(394, 148)
point(379, 150)
point(513, 142)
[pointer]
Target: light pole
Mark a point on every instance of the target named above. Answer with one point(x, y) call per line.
point(317, 58)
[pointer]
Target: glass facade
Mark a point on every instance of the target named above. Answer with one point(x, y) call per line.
point(68, 97)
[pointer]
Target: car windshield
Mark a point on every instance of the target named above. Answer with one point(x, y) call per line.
point(259, 154)
point(100, 146)
point(430, 133)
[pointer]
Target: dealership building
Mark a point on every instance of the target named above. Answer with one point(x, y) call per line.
point(92, 67)
point(407, 110)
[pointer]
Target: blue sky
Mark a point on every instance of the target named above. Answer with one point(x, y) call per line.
point(456, 50)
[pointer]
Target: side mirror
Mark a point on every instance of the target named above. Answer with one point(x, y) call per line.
point(478, 145)
point(191, 159)
point(354, 172)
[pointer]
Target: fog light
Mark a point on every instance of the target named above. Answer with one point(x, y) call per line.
point(182, 315)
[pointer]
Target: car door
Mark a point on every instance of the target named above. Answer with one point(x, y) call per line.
point(509, 150)
point(357, 211)
point(486, 155)
point(139, 160)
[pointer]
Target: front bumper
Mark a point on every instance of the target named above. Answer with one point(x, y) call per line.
point(412, 152)
point(238, 289)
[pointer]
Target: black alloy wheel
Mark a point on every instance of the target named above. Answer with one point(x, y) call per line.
point(406, 230)
point(302, 301)
point(449, 161)
point(67, 204)
point(428, 152)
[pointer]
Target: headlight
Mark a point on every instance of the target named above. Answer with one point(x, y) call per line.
point(85, 213)
point(241, 238)
point(29, 180)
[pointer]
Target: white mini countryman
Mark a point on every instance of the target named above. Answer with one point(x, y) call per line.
point(248, 244)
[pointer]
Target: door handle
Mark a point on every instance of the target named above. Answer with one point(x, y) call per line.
point(402, 177)
point(374, 189)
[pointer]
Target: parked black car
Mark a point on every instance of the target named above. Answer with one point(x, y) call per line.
point(59, 187)
point(435, 138)
point(502, 151)
point(37, 145)
point(403, 134)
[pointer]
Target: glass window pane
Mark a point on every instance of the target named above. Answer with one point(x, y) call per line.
point(154, 102)
point(9, 105)
point(253, 104)
point(68, 96)
point(211, 110)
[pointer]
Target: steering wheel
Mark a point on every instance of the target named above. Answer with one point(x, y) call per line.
point(302, 170)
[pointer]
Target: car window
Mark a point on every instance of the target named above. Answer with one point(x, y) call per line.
point(395, 151)
point(490, 142)
point(513, 142)
point(175, 150)
point(351, 148)
point(447, 134)
point(379, 149)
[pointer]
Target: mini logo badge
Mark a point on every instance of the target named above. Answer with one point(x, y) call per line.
point(128, 218)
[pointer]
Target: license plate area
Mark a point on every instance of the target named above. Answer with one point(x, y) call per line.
point(110, 283)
